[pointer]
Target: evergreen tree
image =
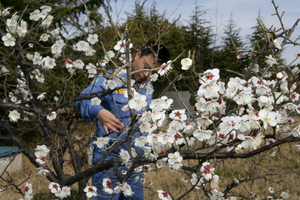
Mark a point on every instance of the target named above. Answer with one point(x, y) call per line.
point(257, 42)
point(229, 57)
point(200, 39)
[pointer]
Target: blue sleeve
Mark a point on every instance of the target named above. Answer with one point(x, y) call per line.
point(87, 110)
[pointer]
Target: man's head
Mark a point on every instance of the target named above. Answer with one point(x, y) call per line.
point(149, 57)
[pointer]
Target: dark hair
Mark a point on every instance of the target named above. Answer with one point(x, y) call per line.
point(159, 50)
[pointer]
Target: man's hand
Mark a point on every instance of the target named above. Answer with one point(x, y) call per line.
point(109, 121)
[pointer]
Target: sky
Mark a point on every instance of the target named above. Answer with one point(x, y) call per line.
point(243, 12)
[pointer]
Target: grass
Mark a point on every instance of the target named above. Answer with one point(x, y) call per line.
point(277, 168)
point(287, 160)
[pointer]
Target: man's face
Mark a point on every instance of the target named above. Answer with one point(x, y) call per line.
point(144, 62)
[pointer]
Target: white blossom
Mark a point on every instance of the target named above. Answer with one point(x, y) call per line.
point(186, 63)
point(14, 116)
point(9, 40)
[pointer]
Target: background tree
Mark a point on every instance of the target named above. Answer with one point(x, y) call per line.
point(229, 58)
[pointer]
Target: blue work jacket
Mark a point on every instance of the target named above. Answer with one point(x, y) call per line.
point(114, 103)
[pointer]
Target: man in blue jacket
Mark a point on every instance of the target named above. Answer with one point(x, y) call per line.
point(111, 118)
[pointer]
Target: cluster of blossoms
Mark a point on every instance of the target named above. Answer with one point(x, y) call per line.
point(110, 188)
point(60, 192)
point(41, 153)
point(18, 28)
point(272, 195)
point(27, 192)
point(208, 177)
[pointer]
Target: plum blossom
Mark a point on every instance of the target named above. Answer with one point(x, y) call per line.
point(197, 181)
point(166, 138)
point(36, 15)
point(41, 160)
point(245, 97)
point(9, 40)
point(126, 188)
point(175, 160)
point(163, 195)
point(178, 115)
point(51, 116)
point(202, 135)
point(210, 75)
point(41, 151)
point(4, 70)
point(110, 84)
point(150, 154)
point(55, 32)
point(176, 125)
point(209, 90)
point(102, 142)
point(140, 141)
point(48, 63)
point(43, 171)
point(91, 70)
point(296, 131)
point(109, 55)
point(28, 188)
point(165, 68)
point(78, 64)
point(207, 170)
point(45, 10)
point(121, 45)
point(81, 46)
point(160, 104)
point(14, 116)
point(57, 47)
point(64, 192)
point(5, 12)
point(158, 117)
point(95, 101)
point(284, 195)
point(268, 118)
point(54, 187)
point(216, 195)
point(271, 61)
point(186, 63)
point(138, 102)
point(126, 157)
point(214, 182)
point(47, 21)
point(92, 38)
point(91, 191)
point(277, 43)
point(36, 58)
point(41, 96)
point(107, 186)
point(147, 127)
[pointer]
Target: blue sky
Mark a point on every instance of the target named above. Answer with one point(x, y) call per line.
point(243, 12)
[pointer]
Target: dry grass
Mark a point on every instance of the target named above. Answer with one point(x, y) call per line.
point(287, 160)
point(27, 174)
point(171, 182)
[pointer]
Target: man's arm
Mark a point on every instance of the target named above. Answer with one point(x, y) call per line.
point(91, 112)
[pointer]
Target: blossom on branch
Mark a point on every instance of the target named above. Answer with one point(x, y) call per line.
point(91, 191)
point(186, 63)
point(9, 40)
point(51, 116)
point(163, 195)
point(271, 61)
point(14, 116)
